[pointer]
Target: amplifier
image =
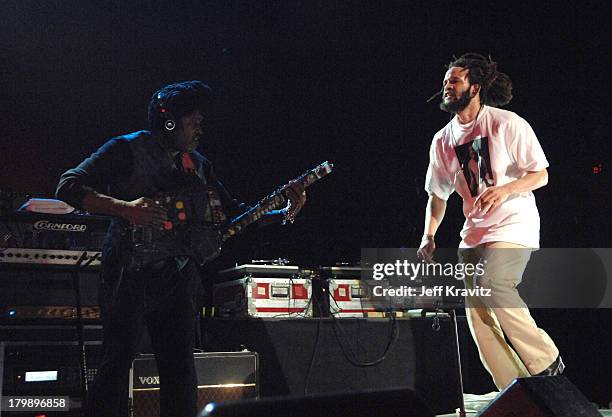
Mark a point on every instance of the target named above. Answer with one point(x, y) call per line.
point(47, 368)
point(222, 376)
point(13, 314)
point(52, 239)
point(46, 294)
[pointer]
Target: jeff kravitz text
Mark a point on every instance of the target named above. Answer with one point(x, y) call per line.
point(436, 291)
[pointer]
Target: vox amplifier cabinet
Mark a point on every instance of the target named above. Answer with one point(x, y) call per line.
point(222, 376)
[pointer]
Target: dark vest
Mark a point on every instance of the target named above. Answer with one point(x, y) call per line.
point(153, 168)
point(153, 171)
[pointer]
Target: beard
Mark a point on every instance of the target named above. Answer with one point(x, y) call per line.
point(458, 105)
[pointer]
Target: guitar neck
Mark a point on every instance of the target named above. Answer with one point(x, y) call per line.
point(274, 200)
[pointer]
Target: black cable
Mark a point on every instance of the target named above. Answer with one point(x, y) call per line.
point(315, 348)
point(350, 355)
point(302, 314)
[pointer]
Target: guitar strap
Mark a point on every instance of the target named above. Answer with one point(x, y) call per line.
point(216, 208)
point(187, 163)
point(217, 215)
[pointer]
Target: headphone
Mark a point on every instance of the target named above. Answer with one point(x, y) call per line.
point(164, 113)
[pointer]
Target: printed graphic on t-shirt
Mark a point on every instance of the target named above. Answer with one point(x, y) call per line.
point(475, 163)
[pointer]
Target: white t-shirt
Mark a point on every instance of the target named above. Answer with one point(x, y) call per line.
point(495, 149)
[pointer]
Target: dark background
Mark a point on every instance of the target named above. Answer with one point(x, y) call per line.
point(300, 82)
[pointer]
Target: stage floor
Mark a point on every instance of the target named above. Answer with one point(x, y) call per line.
point(474, 403)
point(604, 413)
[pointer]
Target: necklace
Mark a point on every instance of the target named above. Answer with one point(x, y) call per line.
point(471, 130)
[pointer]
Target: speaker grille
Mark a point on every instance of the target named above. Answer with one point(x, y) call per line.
point(214, 371)
point(146, 402)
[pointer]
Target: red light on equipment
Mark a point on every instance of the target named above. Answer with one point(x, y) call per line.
point(597, 168)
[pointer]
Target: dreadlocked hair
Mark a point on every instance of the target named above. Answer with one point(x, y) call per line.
point(495, 86)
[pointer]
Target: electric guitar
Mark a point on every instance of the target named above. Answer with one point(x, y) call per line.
point(197, 226)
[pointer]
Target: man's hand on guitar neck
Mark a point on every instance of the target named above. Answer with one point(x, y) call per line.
point(296, 194)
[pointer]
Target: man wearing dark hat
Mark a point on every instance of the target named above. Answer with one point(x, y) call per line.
point(121, 179)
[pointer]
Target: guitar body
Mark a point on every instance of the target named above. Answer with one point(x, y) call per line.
point(193, 229)
point(200, 242)
point(197, 226)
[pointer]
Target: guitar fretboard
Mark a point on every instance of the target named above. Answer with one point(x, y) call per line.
point(274, 200)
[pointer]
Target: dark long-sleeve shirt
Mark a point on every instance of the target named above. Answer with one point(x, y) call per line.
point(137, 165)
point(112, 168)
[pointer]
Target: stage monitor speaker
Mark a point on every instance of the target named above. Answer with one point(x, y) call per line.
point(222, 376)
point(396, 402)
point(540, 396)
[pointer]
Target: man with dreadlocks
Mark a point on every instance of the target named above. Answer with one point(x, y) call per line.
point(494, 161)
point(121, 179)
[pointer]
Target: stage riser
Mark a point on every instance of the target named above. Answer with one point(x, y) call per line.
point(398, 402)
point(421, 358)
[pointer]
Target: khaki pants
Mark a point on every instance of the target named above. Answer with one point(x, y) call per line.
point(505, 315)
